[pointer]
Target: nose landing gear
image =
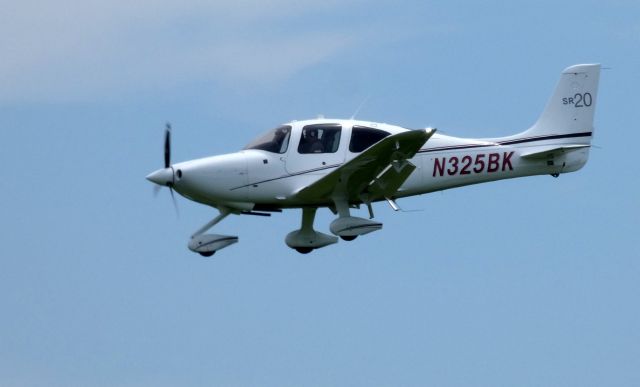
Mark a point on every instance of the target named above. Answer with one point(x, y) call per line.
point(207, 244)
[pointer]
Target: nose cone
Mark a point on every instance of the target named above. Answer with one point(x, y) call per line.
point(161, 176)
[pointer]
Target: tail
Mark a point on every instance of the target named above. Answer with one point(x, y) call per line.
point(562, 135)
point(568, 116)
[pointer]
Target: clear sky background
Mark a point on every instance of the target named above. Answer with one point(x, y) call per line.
point(529, 282)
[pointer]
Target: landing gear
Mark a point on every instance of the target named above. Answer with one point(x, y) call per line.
point(207, 244)
point(306, 239)
point(350, 227)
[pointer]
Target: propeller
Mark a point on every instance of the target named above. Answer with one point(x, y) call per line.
point(167, 145)
point(165, 176)
point(175, 203)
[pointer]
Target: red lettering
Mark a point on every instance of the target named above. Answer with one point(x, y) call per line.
point(494, 162)
point(479, 164)
point(466, 160)
point(454, 164)
point(438, 166)
point(506, 161)
point(489, 161)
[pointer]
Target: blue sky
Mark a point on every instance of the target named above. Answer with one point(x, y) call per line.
point(523, 282)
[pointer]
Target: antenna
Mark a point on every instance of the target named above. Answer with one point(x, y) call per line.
point(353, 117)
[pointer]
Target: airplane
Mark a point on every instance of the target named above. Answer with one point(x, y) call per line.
point(343, 164)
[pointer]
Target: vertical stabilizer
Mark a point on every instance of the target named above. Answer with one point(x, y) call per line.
point(570, 110)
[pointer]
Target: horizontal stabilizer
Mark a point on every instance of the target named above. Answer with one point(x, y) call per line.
point(549, 151)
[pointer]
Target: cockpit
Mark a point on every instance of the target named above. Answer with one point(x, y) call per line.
point(317, 138)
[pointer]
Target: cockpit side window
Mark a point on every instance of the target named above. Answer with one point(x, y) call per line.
point(275, 140)
point(320, 138)
point(363, 137)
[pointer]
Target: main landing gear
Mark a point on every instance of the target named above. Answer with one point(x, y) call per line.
point(347, 227)
point(306, 239)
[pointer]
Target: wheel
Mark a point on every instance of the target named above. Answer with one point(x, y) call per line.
point(348, 238)
point(207, 254)
point(304, 250)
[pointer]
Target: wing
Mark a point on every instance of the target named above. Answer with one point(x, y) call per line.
point(374, 174)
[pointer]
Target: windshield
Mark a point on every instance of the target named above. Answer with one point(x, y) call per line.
point(275, 141)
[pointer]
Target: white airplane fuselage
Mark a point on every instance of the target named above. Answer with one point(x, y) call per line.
point(256, 177)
